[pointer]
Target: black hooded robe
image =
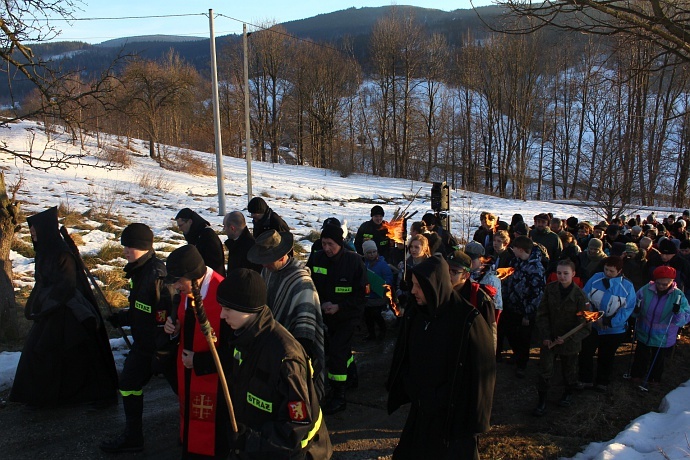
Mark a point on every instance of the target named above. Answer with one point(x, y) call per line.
point(444, 364)
point(66, 357)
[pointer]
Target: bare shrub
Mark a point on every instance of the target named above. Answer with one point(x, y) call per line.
point(150, 182)
point(115, 156)
point(103, 203)
point(184, 160)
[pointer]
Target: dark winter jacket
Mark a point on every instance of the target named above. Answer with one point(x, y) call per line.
point(370, 231)
point(208, 244)
point(477, 296)
point(678, 262)
point(549, 240)
point(275, 399)
point(342, 280)
point(557, 315)
point(269, 221)
point(522, 291)
point(148, 309)
point(238, 249)
point(444, 364)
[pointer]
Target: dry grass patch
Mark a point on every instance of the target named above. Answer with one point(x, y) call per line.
point(112, 279)
point(115, 157)
point(184, 160)
point(25, 249)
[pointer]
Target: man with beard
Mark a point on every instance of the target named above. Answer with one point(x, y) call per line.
point(444, 365)
point(292, 297)
point(265, 218)
point(341, 281)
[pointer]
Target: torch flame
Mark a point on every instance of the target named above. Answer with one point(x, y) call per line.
point(504, 273)
point(590, 316)
point(395, 230)
point(389, 293)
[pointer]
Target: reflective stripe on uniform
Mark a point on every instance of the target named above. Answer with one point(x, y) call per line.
point(337, 377)
point(259, 403)
point(351, 360)
point(142, 306)
point(343, 289)
point(320, 270)
point(237, 354)
point(313, 431)
point(132, 392)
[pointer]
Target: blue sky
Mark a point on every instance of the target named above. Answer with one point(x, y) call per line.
point(252, 12)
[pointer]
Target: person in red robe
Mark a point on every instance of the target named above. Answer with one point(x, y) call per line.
point(197, 376)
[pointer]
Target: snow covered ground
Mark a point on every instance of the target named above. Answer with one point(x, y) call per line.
point(304, 197)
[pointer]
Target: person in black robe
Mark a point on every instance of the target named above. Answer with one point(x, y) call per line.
point(198, 232)
point(66, 357)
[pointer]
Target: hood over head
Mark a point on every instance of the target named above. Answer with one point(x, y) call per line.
point(434, 279)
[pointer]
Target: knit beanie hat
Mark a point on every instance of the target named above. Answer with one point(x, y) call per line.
point(334, 233)
point(243, 290)
point(377, 211)
point(595, 243)
point(668, 247)
point(331, 221)
point(664, 271)
point(185, 262)
point(137, 236)
point(257, 205)
point(369, 245)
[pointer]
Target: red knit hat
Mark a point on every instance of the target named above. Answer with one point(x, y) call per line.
point(664, 271)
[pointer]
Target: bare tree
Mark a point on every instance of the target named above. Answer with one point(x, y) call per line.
point(150, 87)
point(663, 22)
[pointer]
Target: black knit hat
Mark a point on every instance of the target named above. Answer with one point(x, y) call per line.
point(331, 221)
point(185, 262)
point(668, 247)
point(137, 236)
point(257, 205)
point(243, 290)
point(377, 211)
point(334, 233)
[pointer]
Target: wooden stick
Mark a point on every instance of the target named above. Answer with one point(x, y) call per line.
point(574, 330)
point(211, 338)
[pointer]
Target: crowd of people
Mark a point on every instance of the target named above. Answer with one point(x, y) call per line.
point(258, 346)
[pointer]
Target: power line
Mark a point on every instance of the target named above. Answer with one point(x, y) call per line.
point(311, 42)
point(128, 17)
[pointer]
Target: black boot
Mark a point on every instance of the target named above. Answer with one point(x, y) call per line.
point(336, 402)
point(132, 440)
point(541, 406)
point(352, 375)
point(567, 398)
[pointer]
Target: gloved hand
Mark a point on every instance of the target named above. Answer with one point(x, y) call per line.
point(238, 440)
point(676, 308)
point(114, 320)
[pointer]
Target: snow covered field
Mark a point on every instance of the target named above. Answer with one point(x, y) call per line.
point(304, 197)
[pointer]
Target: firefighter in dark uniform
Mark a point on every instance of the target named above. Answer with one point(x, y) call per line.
point(374, 230)
point(146, 315)
point(341, 281)
point(270, 378)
